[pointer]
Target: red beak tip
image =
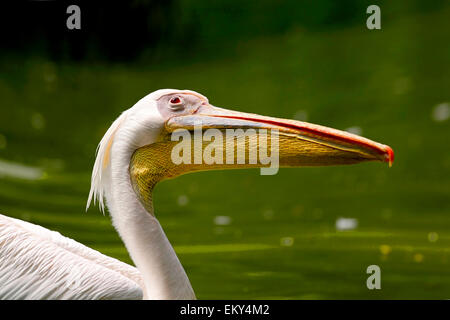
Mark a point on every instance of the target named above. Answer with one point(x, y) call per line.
point(389, 156)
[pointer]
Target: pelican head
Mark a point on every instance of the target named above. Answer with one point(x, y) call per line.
point(144, 136)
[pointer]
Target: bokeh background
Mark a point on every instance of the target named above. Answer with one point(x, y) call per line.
point(305, 233)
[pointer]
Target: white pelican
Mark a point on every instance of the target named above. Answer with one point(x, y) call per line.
point(133, 155)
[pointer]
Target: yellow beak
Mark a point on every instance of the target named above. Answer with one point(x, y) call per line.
point(301, 143)
point(298, 144)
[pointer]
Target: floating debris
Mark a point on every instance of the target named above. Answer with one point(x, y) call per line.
point(222, 220)
point(345, 224)
point(433, 237)
point(441, 112)
point(287, 241)
point(182, 200)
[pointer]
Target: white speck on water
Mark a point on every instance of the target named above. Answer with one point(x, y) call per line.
point(37, 121)
point(345, 224)
point(18, 170)
point(182, 200)
point(355, 130)
point(301, 115)
point(433, 237)
point(287, 241)
point(441, 112)
point(222, 220)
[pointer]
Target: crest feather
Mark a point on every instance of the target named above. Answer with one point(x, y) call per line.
point(102, 161)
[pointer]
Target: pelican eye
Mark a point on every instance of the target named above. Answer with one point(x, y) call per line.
point(176, 104)
point(175, 100)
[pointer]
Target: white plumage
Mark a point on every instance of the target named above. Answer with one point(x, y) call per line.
point(37, 263)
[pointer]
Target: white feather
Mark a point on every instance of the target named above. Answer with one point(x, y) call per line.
point(98, 178)
point(37, 263)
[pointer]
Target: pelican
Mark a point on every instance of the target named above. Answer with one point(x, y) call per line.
point(132, 157)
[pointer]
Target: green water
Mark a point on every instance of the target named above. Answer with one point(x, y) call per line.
point(281, 241)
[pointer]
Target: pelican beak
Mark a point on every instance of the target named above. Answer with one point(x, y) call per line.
point(299, 144)
point(296, 144)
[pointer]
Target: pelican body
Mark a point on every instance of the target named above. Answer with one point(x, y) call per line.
point(133, 156)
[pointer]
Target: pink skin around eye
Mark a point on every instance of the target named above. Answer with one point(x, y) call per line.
point(175, 100)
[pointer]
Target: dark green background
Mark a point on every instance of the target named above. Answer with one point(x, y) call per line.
point(316, 61)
